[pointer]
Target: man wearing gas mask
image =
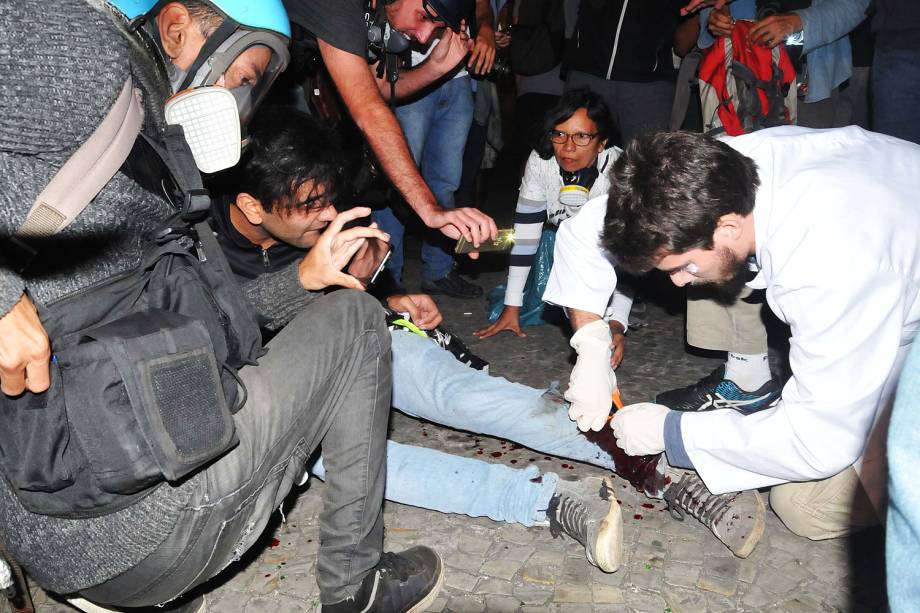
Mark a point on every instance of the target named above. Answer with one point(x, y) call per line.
point(350, 33)
point(147, 434)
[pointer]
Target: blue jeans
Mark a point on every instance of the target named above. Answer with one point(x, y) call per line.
point(896, 92)
point(903, 530)
point(436, 127)
point(428, 382)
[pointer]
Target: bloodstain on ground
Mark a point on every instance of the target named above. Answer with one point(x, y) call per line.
point(275, 543)
point(648, 505)
point(637, 516)
point(497, 454)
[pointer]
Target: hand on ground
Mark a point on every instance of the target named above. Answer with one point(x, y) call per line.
point(508, 320)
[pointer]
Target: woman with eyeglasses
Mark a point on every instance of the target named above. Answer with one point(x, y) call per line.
point(567, 168)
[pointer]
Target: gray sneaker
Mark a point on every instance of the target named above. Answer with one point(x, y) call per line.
point(588, 512)
point(737, 519)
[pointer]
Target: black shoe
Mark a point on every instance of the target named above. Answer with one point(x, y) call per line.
point(714, 391)
point(452, 285)
point(441, 337)
point(588, 512)
point(405, 582)
point(457, 348)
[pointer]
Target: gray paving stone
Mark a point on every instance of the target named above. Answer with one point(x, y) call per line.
point(278, 603)
point(464, 604)
point(473, 545)
point(684, 600)
point(497, 587)
point(502, 604)
point(724, 568)
point(532, 595)
point(461, 581)
point(680, 574)
point(756, 597)
point(607, 594)
point(501, 569)
point(463, 561)
point(539, 574)
point(644, 601)
point(566, 607)
point(717, 585)
point(573, 593)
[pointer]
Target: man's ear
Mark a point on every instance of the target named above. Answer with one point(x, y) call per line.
point(250, 207)
point(174, 22)
point(729, 228)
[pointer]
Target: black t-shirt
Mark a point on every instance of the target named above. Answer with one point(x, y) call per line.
point(339, 23)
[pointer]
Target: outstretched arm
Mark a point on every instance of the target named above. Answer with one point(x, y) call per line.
point(356, 85)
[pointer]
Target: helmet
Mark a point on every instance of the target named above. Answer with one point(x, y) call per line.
point(247, 24)
point(453, 11)
point(253, 14)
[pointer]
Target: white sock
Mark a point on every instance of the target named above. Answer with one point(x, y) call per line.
point(749, 371)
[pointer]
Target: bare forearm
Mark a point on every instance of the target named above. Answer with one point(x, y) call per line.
point(385, 136)
point(411, 81)
point(355, 84)
point(580, 318)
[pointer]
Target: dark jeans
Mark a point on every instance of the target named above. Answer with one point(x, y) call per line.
point(325, 379)
point(896, 92)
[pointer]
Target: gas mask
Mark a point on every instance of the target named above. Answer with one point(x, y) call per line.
point(214, 108)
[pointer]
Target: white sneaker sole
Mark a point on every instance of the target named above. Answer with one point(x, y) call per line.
point(608, 549)
point(757, 530)
point(429, 598)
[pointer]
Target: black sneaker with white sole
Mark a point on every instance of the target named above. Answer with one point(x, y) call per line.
point(441, 336)
point(714, 391)
point(405, 582)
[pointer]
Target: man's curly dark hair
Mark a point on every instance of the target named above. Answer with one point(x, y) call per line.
point(668, 191)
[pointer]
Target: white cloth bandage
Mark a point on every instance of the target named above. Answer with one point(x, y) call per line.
point(593, 381)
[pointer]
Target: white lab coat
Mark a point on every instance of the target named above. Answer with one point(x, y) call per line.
point(837, 233)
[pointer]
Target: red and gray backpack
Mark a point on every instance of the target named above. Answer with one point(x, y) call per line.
point(745, 87)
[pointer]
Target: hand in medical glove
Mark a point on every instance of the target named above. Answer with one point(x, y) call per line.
point(593, 381)
point(639, 428)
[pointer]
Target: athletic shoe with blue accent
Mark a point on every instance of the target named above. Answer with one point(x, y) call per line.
point(716, 392)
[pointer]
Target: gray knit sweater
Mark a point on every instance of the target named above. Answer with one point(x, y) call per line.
point(62, 64)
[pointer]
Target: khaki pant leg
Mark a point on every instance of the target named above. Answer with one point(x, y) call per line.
point(738, 328)
point(830, 508)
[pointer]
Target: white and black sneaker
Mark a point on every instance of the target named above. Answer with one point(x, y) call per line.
point(714, 391)
point(406, 582)
point(737, 519)
point(588, 511)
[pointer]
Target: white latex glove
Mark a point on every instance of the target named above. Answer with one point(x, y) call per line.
point(592, 382)
point(639, 428)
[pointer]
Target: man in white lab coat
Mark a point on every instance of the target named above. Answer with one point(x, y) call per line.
point(830, 220)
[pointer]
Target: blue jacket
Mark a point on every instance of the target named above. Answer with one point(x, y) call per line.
point(827, 24)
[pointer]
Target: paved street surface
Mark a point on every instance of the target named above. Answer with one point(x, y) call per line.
point(670, 566)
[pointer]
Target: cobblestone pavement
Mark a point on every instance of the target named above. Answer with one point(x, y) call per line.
point(670, 566)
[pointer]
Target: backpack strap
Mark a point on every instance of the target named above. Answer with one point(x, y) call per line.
point(89, 168)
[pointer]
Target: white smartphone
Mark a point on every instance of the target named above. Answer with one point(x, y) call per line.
point(380, 268)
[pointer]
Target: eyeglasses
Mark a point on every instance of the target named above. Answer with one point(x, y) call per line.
point(432, 15)
point(581, 139)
